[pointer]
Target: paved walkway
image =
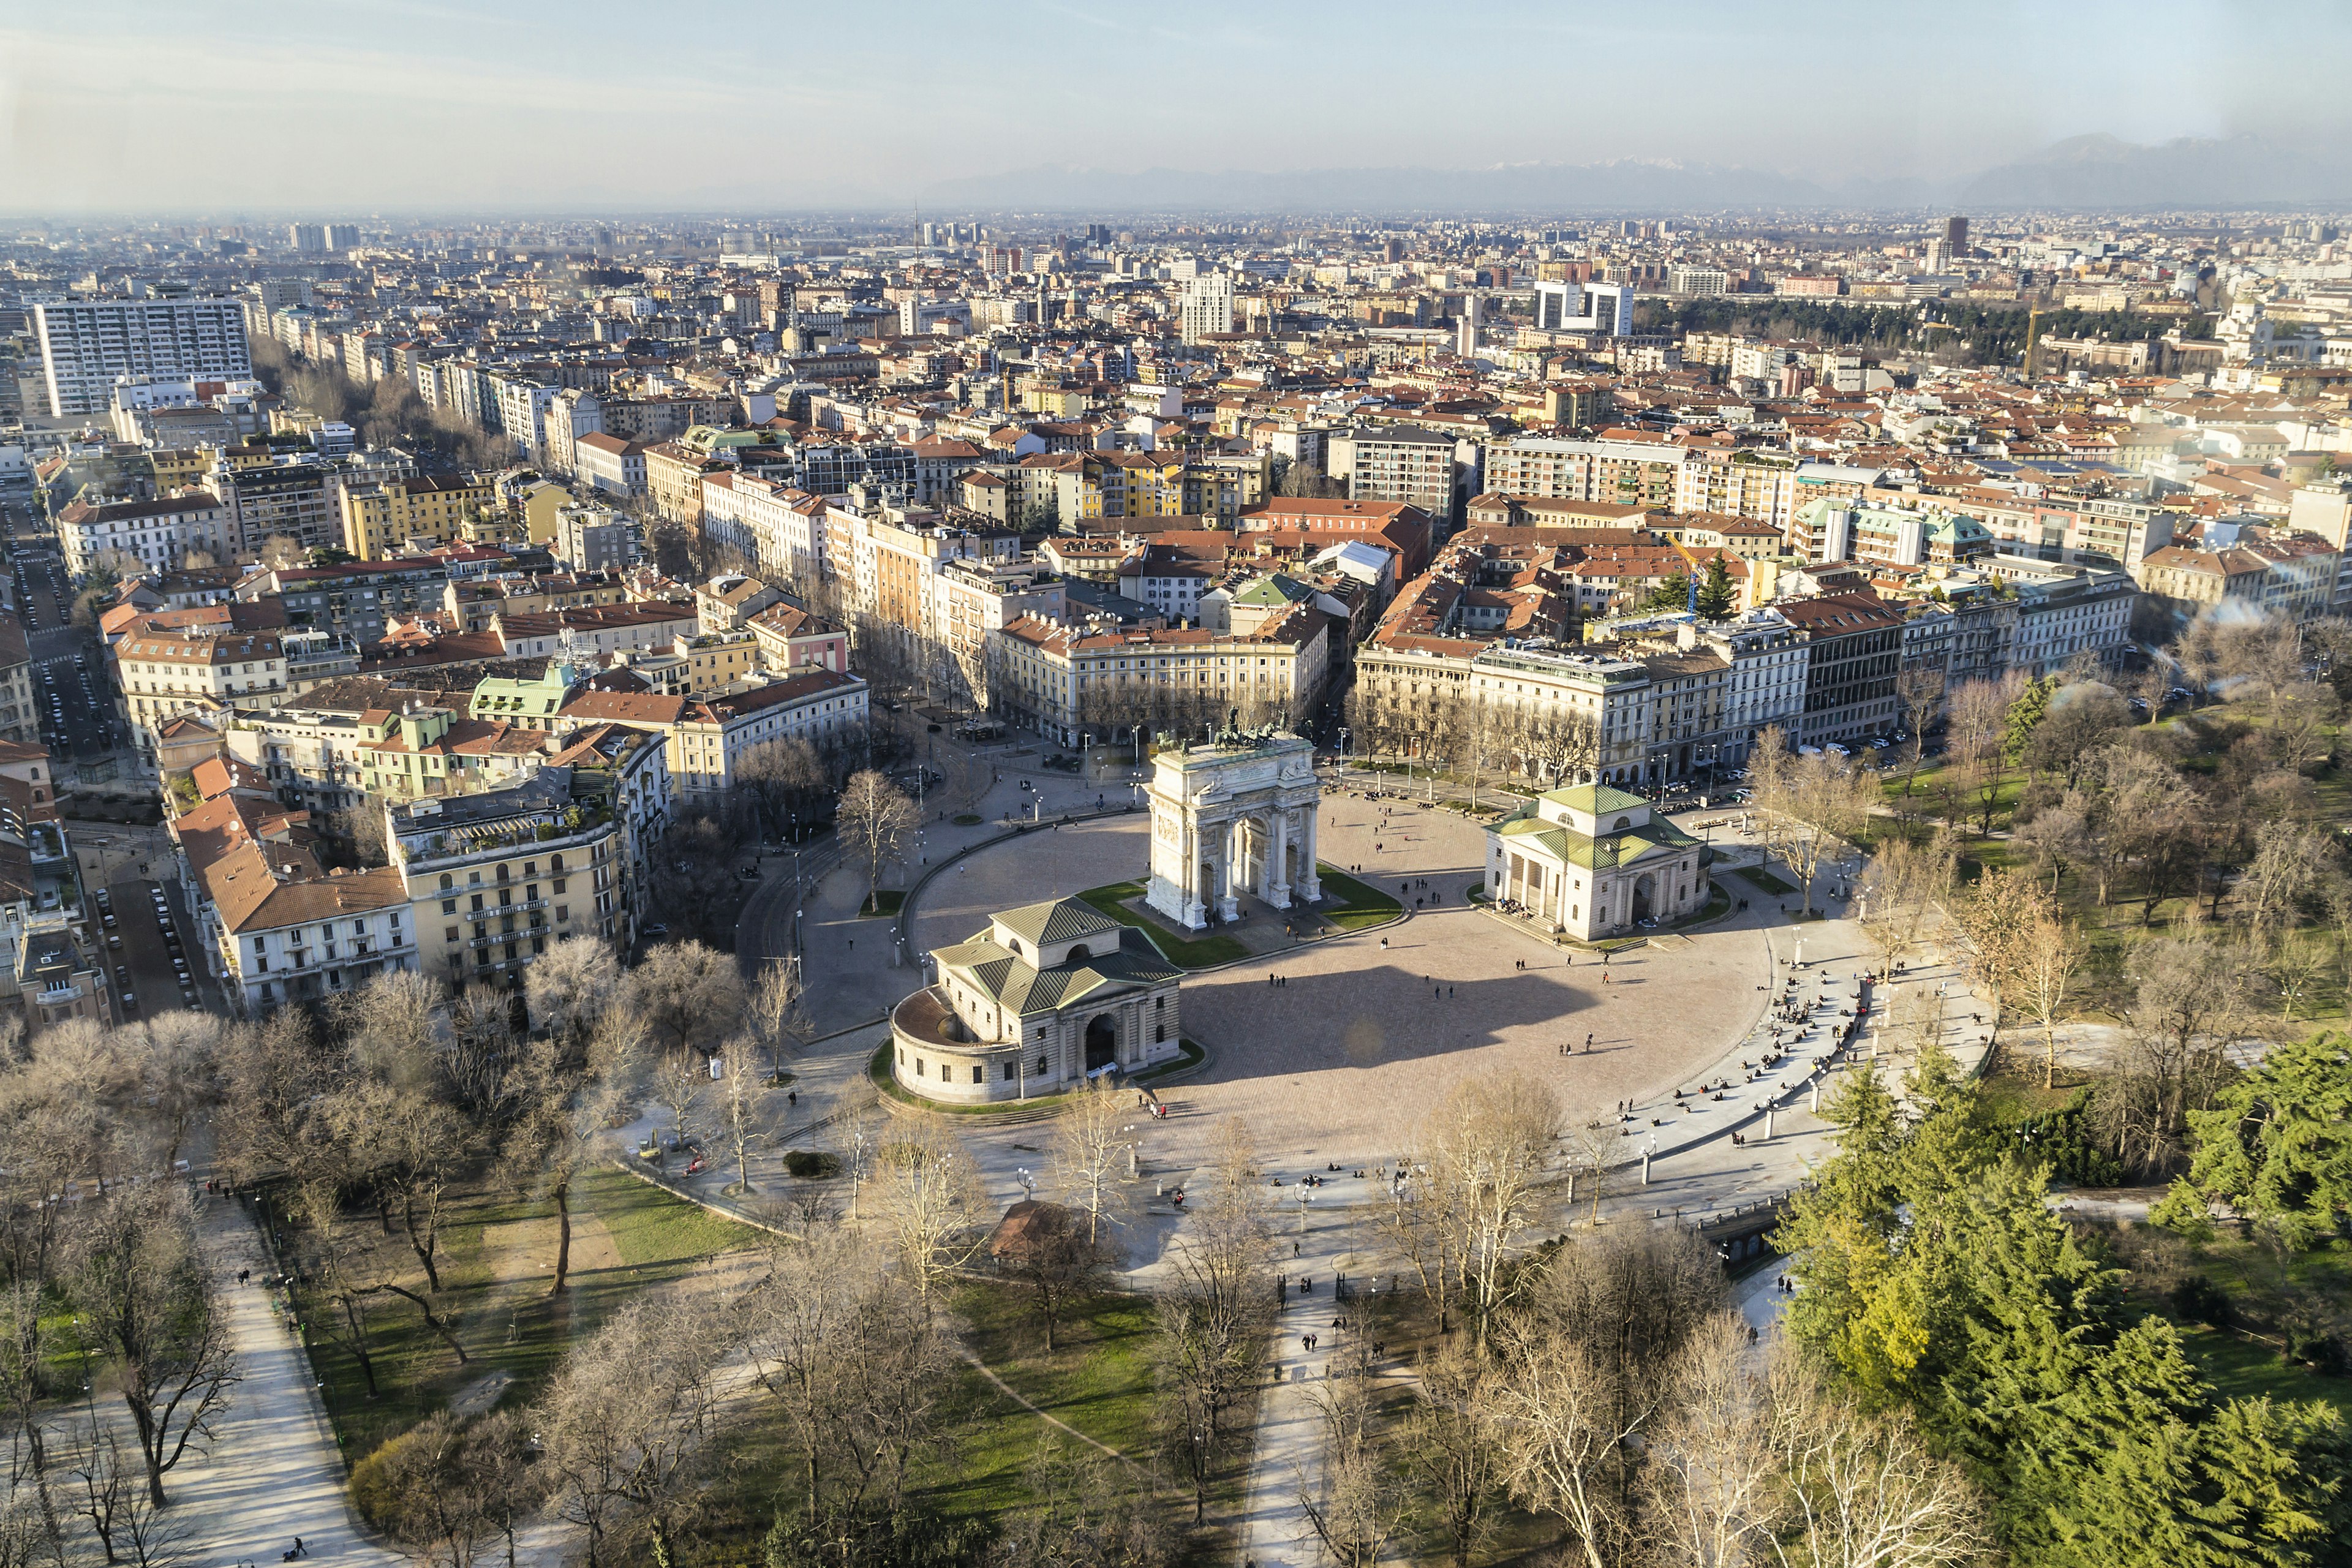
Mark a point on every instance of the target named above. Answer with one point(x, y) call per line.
point(272, 1472)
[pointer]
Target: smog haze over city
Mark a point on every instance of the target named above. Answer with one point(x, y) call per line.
point(1241, 785)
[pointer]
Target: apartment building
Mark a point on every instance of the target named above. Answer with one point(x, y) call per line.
point(20, 717)
point(1853, 654)
point(2076, 532)
point(594, 538)
point(277, 925)
point(883, 561)
point(425, 750)
point(164, 674)
point(492, 878)
point(708, 737)
point(972, 601)
point(1738, 482)
point(1411, 682)
point(353, 600)
point(87, 345)
point(611, 466)
point(292, 501)
point(381, 520)
point(1065, 681)
point(832, 466)
point(1402, 463)
point(2064, 611)
point(159, 533)
point(777, 526)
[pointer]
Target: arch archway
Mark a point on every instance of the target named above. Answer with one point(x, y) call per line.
point(1646, 893)
point(1102, 1041)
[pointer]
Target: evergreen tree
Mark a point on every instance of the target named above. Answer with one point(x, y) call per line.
point(1717, 597)
point(1672, 593)
point(2278, 1145)
point(2025, 716)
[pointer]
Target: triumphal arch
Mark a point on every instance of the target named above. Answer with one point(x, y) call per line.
point(1230, 815)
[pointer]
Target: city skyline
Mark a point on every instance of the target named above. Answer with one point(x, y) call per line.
point(530, 109)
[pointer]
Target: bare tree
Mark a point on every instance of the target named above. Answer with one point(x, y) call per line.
point(679, 1081)
point(1486, 1149)
point(2054, 954)
point(1919, 693)
point(856, 1365)
point(1557, 1423)
point(452, 1488)
point(688, 996)
point(741, 1118)
point(627, 1424)
point(1053, 1261)
point(563, 1114)
point(1901, 890)
point(1710, 1494)
point(930, 1200)
point(1813, 805)
point(1090, 1143)
point(569, 985)
point(2000, 920)
point(1858, 1491)
point(777, 1011)
point(2191, 999)
point(1444, 1448)
point(874, 823)
point(150, 1307)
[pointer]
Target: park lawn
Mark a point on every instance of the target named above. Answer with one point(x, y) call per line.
point(886, 901)
point(1360, 905)
point(2239, 1368)
point(501, 1313)
point(1098, 1377)
point(1717, 905)
point(1190, 953)
point(1766, 880)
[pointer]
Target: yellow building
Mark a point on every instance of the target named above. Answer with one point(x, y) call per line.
point(379, 519)
point(541, 503)
point(178, 467)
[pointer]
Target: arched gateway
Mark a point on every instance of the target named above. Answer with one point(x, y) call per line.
point(1231, 816)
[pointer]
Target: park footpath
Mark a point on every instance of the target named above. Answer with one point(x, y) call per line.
point(271, 1472)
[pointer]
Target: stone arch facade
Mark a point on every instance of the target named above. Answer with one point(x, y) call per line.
point(1233, 819)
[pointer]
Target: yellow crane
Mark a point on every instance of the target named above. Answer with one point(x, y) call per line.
point(1691, 562)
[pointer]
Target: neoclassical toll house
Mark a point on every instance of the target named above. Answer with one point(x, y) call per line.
point(1049, 994)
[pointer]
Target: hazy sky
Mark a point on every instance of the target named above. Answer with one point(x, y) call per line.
point(202, 107)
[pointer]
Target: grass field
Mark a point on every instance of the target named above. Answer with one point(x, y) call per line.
point(884, 901)
point(496, 1263)
point(1360, 905)
point(1766, 880)
point(1191, 952)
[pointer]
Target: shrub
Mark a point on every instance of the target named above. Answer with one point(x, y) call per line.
point(2319, 1348)
point(2197, 1299)
point(810, 1165)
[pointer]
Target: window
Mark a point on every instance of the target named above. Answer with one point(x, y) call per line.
point(559, 884)
point(919, 1071)
point(449, 906)
point(447, 881)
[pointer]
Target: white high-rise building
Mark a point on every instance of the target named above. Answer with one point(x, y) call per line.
point(87, 345)
point(1208, 306)
point(307, 239)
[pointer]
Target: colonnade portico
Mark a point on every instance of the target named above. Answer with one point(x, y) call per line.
point(1234, 816)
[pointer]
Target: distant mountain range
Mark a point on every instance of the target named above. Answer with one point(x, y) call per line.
point(2085, 172)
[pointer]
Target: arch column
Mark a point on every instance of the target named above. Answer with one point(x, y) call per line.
point(1273, 886)
point(1229, 906)
point(1309, 885)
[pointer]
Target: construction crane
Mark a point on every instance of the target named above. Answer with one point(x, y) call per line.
point(1691, 576)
